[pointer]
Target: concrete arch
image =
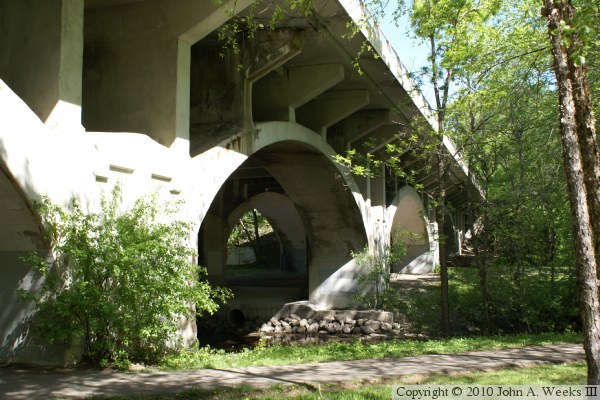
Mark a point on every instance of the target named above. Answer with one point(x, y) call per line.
point(409, 224)
point(332, 209)
point(284, 218)
point(214, 166)
point(20, 234)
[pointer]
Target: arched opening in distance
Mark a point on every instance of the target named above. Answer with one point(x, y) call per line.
point(252, 246)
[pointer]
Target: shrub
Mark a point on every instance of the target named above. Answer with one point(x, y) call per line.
point(120, 282)
point(373, 289)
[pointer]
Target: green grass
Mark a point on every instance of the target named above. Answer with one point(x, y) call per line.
point(338, 351)
point(561, 374)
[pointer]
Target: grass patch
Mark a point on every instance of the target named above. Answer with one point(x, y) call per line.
point(339, 351)
point(561, 374)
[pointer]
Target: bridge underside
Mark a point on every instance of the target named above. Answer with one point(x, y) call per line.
point(142, 92)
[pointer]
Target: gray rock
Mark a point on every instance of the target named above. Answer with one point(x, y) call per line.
point(330, 328)
point(367, 330)
point(376, 325)
point(313, 328)
point(347, 329)
point(337, 327)
point(303, 322)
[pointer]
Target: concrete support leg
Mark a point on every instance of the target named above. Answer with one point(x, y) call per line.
point(66, 114)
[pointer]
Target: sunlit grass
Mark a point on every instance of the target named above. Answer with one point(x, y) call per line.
point(357, 350)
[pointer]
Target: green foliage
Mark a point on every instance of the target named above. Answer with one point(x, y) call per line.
point(244, 231)
point(121, 282)
point(536, 305)
point(373, 281)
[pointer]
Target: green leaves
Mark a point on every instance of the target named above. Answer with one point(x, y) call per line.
point(122, 281)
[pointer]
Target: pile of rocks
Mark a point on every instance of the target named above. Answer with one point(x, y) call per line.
point(304, 317)
point(327, 324)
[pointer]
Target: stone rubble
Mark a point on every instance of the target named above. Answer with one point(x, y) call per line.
point(323, 323)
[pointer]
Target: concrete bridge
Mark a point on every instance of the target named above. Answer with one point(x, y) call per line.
point(141, 91)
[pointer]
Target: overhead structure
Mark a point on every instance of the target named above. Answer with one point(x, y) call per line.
point(144, 93)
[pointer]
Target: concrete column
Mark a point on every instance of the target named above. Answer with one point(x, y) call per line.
point(66, 115)
point(213, 248)
point(378, 189)
point(41, 57)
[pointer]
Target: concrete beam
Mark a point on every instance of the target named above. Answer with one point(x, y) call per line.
point(362, 123)
point(280, 95)
point(379, 138)
point(283, 46)
point(330, 108)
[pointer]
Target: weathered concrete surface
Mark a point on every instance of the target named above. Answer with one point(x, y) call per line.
point(16, 384)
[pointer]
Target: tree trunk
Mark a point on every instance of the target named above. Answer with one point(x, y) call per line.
point(587, 282)
point(586, 132)
point(480, 260)
point(441, 219)
point(256, 234)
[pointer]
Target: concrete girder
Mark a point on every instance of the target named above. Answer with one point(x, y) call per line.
point(360, 124)
point(331, 107)
point(280, 95)
point(221, 94)
point(288, 44)
point(380, 137)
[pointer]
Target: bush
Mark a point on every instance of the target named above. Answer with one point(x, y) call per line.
point(121, 283)
point(373, 289)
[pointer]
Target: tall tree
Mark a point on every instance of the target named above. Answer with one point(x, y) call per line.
point(580, 157)
point(444, 26)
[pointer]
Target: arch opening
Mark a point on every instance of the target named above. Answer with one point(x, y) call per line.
point(20, 234)
point(314, 215)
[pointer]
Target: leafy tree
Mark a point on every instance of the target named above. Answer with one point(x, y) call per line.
point(121, 282)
